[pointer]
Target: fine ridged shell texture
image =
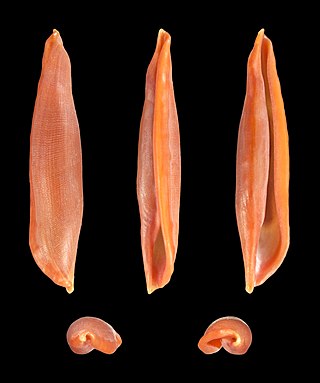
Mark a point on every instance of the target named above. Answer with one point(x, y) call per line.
point(56, 193)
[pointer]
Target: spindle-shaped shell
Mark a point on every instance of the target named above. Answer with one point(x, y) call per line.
point(56, 195)
point(159, 169)
point(262, 169)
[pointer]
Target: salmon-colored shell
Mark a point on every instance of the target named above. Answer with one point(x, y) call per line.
point(229, 332)
point(159, 169)
point(56, 195)
point(88, 333)
point(262, 172)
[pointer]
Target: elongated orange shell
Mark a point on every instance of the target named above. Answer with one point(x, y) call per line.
point(56, 195)
point(159, 169)
point(262, 171)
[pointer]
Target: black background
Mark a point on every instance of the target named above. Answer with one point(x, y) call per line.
point(110, 50)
